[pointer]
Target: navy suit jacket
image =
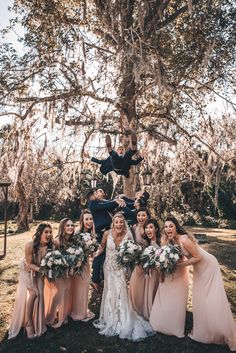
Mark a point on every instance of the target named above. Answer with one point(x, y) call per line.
point(100, 210)
point(106, 165)
point(130, 215)
point(129, 202)
point(122, 163)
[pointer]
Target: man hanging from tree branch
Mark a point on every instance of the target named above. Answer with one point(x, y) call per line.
point(119, 161)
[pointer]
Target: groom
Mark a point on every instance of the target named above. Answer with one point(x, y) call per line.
point(100, 209)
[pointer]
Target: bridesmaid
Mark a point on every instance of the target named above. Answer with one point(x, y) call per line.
point(212, 318)
point(29, 305)
point(169, 307)
point(142, 215)
point(57, 294)
point(143, 287)
point(137, 280)
point(152, 235)
point(80, 284)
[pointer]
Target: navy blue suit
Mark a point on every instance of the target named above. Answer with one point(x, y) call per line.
point(100, 210)
point(119, 163)
point(122, 163)
point(102, 220)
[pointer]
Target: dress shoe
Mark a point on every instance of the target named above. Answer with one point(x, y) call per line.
point(30, 332)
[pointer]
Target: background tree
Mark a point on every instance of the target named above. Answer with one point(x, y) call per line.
point(113, 66)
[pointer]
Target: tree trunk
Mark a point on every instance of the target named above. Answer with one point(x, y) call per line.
point(128, 120)
point(127, 89)
point(22, 218)
point(217, 186)
point(130, 184)
point(31, 213)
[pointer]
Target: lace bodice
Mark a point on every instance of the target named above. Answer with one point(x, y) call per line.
point(111, 253)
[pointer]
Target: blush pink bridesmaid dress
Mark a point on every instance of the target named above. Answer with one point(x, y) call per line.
point(169, 307)
point(33, 282)
point(142, 290)
point(80, 295)
point(212, 318)
point(57, 301)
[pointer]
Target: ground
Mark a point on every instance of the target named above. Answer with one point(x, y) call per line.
point(77, 337)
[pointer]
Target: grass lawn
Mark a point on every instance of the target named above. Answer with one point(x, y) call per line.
point(77, 337)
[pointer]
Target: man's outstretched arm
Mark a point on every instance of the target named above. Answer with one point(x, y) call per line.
point(136, 161)
point(104, 205)
point(98, 161)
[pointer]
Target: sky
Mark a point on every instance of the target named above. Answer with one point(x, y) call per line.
point(12, 37)
point(5, 16)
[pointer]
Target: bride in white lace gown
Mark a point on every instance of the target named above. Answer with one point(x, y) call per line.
point(117, 317)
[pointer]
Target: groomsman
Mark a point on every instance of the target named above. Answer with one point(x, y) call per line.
point(100, 209)
point(130, 209)
point(119, 161)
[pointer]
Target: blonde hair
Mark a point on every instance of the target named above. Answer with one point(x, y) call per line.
point(119, 215)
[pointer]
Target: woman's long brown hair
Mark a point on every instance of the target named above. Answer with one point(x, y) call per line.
point(37, 237)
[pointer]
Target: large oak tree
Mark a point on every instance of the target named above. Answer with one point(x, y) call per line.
point(112, 66)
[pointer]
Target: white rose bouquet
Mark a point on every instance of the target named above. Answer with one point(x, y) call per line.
point(88, 243)
point(168, 257)
point(53, 265)
point(76, 259)
point(128, 255)
point(149, 258)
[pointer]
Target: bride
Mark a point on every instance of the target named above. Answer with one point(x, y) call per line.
point(117, 317)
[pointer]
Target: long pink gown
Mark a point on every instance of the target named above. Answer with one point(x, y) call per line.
point(80, 294)
point(168, 312)
point(28, 281)
point(57, 301)
point(142, 290)
point(212, 318)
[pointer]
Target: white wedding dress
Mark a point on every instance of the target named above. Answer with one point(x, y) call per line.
point(117, 317)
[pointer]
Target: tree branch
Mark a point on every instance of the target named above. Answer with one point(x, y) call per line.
point(73, 93)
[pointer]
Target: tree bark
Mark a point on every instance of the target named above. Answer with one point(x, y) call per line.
point(217, 186)
point(22, 218)
point(31, 213)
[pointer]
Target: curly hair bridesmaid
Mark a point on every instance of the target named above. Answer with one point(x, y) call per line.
point(29, 305)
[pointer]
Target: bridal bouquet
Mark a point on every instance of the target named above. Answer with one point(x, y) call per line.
point(150, 258)
point(76, 259)
point(128, 255)
point(168, 257)
point(88, 243)
point(53, 265)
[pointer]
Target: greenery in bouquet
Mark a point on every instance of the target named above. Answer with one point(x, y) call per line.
point(54, 265)
point(168, 257)
point(128, 255)
point(87, 242)
point(149, 258)
point(76, 259)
